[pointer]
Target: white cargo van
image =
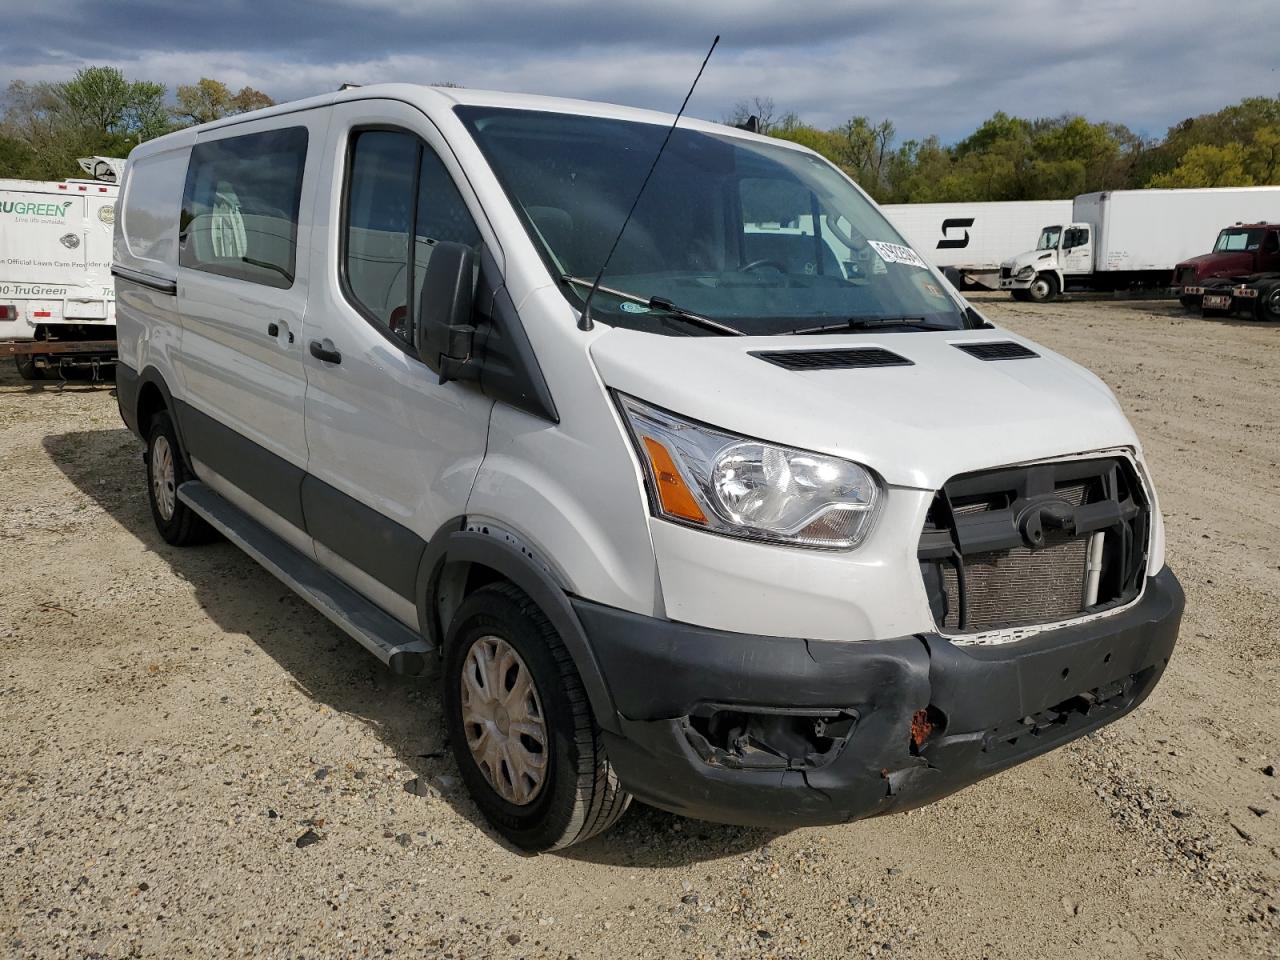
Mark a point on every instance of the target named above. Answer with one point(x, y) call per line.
point(57, 301)
point(764, 536)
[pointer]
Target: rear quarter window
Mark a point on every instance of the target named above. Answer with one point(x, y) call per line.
point(240, 206)
point(148, 222)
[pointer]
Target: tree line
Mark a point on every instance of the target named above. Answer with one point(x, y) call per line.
point(45, 127)
point(1049, 158)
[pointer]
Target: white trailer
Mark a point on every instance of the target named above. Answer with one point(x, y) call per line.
point(57, 298)
point(1129, 239)
point(974, 238)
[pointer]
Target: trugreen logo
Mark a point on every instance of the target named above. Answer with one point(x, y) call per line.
point(23, 208)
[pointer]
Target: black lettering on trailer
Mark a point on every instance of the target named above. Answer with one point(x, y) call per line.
point(955, 243)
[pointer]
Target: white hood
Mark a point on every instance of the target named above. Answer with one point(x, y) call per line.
point(917, 426)
point(1036, 258)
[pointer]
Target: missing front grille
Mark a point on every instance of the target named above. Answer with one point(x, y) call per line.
point(1016, 547)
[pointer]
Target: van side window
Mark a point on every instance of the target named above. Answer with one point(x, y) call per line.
point(397, 188)
point(240, 206)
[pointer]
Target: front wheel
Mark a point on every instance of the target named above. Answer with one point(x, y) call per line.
point(520, 726)
point(1043, 288)
point(1189, 302)
point(1022, 296)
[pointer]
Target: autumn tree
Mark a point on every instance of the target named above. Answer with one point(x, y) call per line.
point(207, 100)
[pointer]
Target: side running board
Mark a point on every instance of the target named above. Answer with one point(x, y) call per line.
point(401, 649)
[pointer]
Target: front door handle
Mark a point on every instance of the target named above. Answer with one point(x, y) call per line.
point(321, 352)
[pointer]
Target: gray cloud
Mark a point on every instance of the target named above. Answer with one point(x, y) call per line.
point(931, 66)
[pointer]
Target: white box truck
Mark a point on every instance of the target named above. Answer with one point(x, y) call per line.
point(57, 298)
point(974, 239)
point(1129, 239)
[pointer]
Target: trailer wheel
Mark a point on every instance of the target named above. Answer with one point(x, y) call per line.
point(1043, 289)
point(520, 726)
point(27, 368)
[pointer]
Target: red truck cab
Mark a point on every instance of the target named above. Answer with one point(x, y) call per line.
point(1245, 248)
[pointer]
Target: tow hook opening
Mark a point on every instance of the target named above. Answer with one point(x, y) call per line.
point(760, 738)
point(924, 724)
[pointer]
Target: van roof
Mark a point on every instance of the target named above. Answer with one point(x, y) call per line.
point(426, 97)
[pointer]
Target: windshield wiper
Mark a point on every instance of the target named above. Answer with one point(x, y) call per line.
point(663, 305)
point(867, 323)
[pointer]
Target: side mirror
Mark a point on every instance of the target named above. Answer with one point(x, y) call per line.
point(445, 331)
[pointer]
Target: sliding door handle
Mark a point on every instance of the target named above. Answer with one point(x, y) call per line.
point(327, 354)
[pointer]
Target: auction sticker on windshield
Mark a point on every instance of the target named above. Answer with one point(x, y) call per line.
point(897, 253)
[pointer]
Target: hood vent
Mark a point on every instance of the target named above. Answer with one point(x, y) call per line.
point(1000, 350)
point(833, 359)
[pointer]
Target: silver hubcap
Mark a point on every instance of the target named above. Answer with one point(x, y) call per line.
point(502, 717)
point(162, 479)
point(1040, 289)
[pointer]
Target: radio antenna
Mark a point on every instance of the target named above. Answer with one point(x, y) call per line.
point(585, 322)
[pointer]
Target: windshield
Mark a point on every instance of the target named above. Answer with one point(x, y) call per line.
point(758, 238)
point(1049, 238)
point(1237, 240)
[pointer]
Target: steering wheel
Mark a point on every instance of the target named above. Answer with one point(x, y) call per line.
point(766, 262)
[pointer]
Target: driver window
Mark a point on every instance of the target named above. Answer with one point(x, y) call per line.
point(1075, 237)
point(1272, 243)
point(397, 189)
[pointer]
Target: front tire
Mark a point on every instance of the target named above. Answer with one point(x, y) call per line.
point(1022, 296)
point(1189, 302)
point(520, 725)
point(177, 523)
point(1043, 289)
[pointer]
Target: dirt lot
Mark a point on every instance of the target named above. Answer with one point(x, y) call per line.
point(174, 721)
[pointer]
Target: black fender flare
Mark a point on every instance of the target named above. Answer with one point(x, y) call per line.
point(453, 543)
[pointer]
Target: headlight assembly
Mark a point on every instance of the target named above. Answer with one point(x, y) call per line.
point(1027, 272)
point(740, 487)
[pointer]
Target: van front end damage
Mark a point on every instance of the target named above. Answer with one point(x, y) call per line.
point(778, 732)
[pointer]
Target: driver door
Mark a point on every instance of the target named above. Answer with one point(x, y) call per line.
point(1077, 250)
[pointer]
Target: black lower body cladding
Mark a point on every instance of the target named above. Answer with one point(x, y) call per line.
point(775, 732)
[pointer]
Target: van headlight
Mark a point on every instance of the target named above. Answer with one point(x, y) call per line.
point(740, 487)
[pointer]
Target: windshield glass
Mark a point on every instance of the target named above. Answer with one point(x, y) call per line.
point(761, 239)
point(1236, 240)
point(1049, 238)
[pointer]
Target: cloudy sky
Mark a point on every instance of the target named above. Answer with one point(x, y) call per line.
point(931, 66)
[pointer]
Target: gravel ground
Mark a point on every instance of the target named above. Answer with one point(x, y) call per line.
point(194, 763)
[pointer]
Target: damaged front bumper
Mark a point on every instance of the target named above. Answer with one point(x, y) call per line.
point(777, 732)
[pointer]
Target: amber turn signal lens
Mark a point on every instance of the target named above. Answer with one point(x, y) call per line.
point(676, 499)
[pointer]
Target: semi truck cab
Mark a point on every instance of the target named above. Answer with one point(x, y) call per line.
point(1039, 275)
point(1241, 250)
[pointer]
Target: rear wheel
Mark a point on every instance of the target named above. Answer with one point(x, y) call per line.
point(520, 726)
point(27, 368)
point(177, 523)
point(1043, 288)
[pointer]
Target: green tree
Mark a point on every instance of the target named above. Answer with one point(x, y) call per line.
point(100, 99)
point(1205, 165)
